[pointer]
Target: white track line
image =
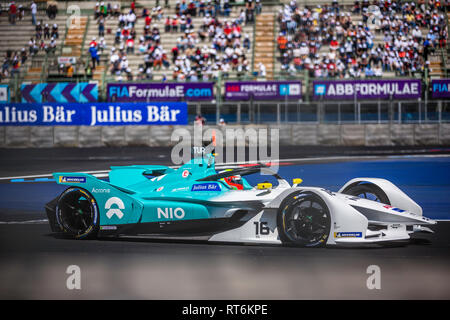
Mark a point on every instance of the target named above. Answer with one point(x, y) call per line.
point(40, 221)
point(104, 173)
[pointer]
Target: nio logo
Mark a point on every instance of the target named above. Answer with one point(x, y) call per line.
point(170, 213)
point(114, 201)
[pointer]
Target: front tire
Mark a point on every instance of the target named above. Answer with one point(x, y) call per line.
point(304, 220)
point(77, 213)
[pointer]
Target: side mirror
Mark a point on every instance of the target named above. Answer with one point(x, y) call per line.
point(264, 186)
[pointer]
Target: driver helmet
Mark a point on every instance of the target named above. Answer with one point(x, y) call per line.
point(235, 182)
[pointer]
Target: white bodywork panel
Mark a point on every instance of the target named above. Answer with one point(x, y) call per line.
point(396, 196)
point(350, 216)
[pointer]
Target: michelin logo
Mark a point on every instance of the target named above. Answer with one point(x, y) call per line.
point(64, 179)
point(348, 234)
point(117, 202)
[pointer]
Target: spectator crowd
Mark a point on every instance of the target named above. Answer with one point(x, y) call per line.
point(216, 45)
point(388, 36)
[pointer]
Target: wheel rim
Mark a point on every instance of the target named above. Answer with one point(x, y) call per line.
point(368, 195)
point(306, 220)
point(77, 212)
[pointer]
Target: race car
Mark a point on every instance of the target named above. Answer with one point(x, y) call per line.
point(195, 201)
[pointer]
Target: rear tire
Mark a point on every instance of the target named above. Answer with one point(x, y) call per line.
point(77, 213)
point(304, 220)
point(367, 191)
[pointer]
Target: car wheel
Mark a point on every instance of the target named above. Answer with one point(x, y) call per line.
point(77, 213)
point(367, 191)
point(304, 220)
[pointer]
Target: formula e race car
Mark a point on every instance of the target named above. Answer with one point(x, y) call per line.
point(197, 202)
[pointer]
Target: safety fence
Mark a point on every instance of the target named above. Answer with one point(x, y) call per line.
point(333, 112)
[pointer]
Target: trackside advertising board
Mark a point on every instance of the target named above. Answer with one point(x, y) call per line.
point(62, 92)
point(148, 92)
point(263, 90)
point(93, 114)
point(440, 88)
point(4, 93)
point(367, 89)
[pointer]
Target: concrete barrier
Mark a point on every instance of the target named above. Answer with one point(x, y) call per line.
point(90, 136)
point(304, 134)
point(65, 136)
point(137, 135)
point(353, 135)
point(377, 135)
point(328, 134)
point(41, 137)
point(402, 134)
point(289, 134)
point(18, 137)
point(444, 134)
point(2, 136)
point(113, 136)
point(284, 134)
point(160, 135)
point(426, 134)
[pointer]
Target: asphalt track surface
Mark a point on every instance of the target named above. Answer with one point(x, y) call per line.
point(33, 262)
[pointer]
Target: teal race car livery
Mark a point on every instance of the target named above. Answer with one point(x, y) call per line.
point(195, 201)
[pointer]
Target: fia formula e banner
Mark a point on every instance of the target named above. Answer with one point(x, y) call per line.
point(59, 92)
point(440, 88)
point(263, 90)
point(148, 92)
point(93, 114)
point(367, 89)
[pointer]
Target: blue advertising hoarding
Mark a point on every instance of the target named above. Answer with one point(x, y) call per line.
point(93, 114)
point(59, 92)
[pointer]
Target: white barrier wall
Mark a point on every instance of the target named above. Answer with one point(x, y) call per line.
point(292, 134)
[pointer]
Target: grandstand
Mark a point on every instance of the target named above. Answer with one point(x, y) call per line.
point(261, 60)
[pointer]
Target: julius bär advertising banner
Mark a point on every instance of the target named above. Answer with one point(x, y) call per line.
point(93, 114)
point(367, 89)
point(263, 90)
point(147, 92)
point(440, 88)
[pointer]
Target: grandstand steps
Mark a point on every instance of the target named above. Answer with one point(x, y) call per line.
point(264, 43)
point(15, 37)
point(74, 37)
point(169, 39)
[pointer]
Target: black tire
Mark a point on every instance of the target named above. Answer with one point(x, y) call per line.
point(367, 191)
point(304, 220)
point(77, 213)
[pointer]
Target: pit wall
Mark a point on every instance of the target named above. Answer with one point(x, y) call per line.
point(289, 134)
